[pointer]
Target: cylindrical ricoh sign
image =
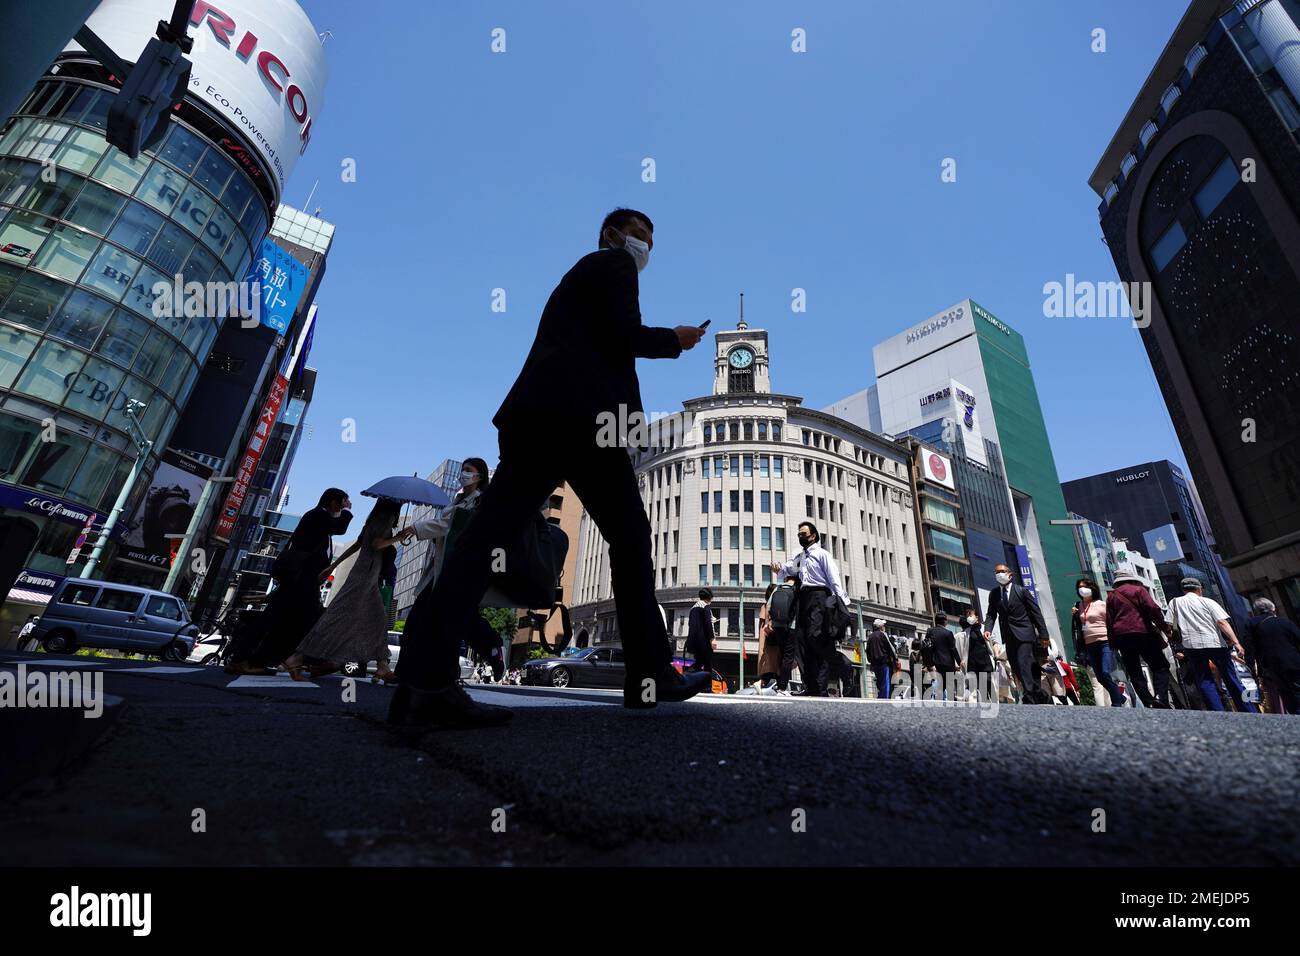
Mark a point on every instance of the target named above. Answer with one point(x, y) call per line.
point(258, 64)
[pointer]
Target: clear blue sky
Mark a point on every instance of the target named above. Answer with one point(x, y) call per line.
point(775, 170)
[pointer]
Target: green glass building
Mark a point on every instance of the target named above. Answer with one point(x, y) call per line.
point(1027, 452)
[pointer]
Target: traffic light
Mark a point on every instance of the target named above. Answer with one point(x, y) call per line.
point(137, 119)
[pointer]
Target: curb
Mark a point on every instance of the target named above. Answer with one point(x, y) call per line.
point(38, 742)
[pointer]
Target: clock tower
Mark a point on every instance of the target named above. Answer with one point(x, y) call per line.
point(740, 365)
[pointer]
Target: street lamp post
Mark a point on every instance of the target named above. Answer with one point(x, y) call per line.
point(143, 447)
point(862, 656)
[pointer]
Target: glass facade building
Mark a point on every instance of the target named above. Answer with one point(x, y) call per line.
point(85, 236)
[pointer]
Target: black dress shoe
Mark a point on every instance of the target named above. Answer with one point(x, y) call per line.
point(669, 687)
point(449, 707)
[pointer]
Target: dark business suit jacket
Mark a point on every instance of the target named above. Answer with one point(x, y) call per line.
point(310, 541)
point(699, 634)
point(1021, 617)
point(583, 360)
point(945, 654)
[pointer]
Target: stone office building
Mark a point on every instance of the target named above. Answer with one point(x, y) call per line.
point(726, 483)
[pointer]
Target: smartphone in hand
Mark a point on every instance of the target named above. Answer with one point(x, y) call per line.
point(705, 325)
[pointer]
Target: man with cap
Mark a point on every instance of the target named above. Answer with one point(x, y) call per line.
point(1277, 648)
point(1136, 628)
point(881, 656)
point(1204, 626)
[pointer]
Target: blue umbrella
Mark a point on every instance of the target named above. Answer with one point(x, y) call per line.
point(409, 488)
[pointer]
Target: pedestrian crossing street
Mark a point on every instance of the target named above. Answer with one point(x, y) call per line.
point(512, 696)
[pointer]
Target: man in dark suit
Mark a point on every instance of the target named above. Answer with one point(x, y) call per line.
point(947, 659)
point(571, 415)
point(699, 634)
point(294, 606)
point(1023, 628)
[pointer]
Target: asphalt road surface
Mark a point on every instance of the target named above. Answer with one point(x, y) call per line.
point(281, 773)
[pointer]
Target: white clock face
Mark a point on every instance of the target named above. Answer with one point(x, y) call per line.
point(742, 358)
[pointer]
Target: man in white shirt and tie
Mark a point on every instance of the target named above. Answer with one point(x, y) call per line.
point(818, 583)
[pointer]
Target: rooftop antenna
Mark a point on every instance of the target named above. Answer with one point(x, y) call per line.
point(310, 194)
point(741, 324)
point(327, 35)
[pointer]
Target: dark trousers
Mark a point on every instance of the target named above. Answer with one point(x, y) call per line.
point(1198, 662)
point(1133, 650)
point(1286, 685)
point(1101, 661)
point(788, 638)
point(883, 672)
point(702, 652)
point(528, 472)
point(1024, 663)
point(820, 660)
point(292, 610)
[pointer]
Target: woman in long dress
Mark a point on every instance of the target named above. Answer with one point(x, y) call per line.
point(354, 626)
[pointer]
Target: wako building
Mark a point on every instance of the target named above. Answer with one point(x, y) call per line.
point(726, 485)
point(1200, 192)
point(86, 234)
point(961, 382)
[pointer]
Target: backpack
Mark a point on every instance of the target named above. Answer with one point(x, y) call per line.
point(781, 607)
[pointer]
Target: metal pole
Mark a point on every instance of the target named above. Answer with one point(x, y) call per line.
point(183, 553)
point(143, 447)
point(862, 656)
point(741, 686)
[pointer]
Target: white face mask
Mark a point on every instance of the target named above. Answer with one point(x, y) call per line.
point(972, 620)
point(1085, 593)
point(640, 251)
point(467, 478)
point(1003, 578)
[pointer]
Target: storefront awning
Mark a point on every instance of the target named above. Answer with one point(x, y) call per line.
point(23, 596)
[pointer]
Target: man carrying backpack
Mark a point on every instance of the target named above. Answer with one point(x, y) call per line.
point(777, 620)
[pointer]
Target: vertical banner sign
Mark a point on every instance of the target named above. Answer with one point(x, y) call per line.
point(252, 455)
point(283, 280)
point(1026, 570)
point(81, 539)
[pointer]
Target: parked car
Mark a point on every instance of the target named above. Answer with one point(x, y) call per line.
point(100, 614)
point(356, 668)
point(589, 667)
point(207, 649)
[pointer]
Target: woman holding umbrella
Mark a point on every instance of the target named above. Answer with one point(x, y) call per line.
point(441, 529)
point(355, 625)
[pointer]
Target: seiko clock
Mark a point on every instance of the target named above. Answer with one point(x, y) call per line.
point(741, 358)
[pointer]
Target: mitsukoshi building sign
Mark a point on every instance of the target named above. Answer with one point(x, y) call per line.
point(258, 64)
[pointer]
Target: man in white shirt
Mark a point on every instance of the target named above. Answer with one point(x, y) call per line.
point(1203, 627)
point(820, 661)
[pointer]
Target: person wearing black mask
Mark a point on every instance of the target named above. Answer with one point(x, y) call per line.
point(818, 583)
point(979, 655)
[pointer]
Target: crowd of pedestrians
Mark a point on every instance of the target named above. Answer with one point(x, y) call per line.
point(591, 329)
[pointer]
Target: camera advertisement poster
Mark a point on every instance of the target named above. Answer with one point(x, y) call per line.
point(166, 509)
